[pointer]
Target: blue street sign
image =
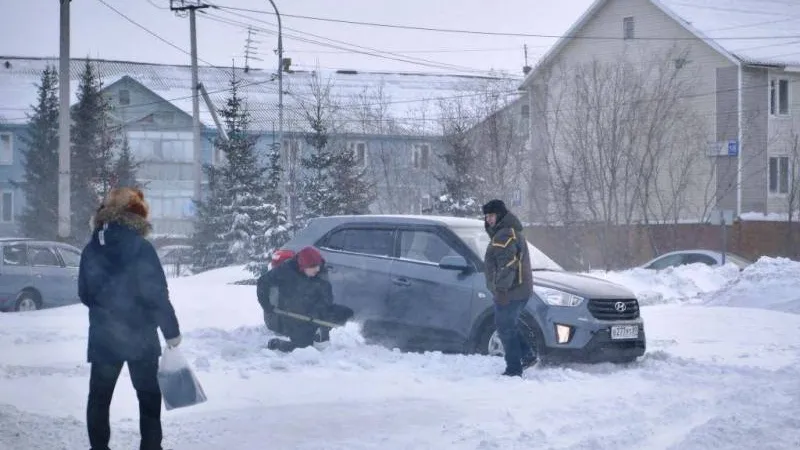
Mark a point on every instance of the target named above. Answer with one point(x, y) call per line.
point(733, 148)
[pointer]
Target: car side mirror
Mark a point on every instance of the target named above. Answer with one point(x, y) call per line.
point(458, 263)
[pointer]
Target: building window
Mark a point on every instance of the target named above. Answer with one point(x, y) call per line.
point(359, 150)
point(779, 97)
point(7, 207)
point(421, 156)
point(779, 175)
point(680, 63)
point(124, 97)
point(627, 28)
point(6, 149)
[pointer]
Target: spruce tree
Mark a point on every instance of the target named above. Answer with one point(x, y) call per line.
point(272, 222)
point(242, 220)
point(125, 167)
point(319, 194)
point(39, 218)
point(461, 185)
point(349, 182)
point(92, 143)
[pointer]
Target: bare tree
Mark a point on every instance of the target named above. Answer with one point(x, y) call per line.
point(620, 142)
point(371, 108)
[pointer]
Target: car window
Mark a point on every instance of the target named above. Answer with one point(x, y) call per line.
point(71, 257)
point(666, 261)
point(418, 245)
point(693, 258)
point(477, 239)
point(15, 255)
point(366, 241)
point(43, 256)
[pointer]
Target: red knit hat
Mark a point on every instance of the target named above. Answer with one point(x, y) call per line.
point(309, 257)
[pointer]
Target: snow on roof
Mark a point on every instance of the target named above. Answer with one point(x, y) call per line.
point(729, 27)
point(406, 94)
point(734, 25)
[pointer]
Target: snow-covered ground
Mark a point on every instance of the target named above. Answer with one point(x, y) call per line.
point(722, 377)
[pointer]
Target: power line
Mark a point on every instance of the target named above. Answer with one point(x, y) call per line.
point(496, 33)
point(358, 48)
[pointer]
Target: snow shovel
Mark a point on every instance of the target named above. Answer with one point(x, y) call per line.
point(338, 315)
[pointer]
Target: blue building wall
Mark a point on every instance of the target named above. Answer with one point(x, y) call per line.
point(402, 168)
point(11, 135)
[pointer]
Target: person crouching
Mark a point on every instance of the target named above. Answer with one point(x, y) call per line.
point(302, 287)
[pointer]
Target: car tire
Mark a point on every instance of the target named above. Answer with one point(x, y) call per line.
point(487, 340)
point(27, 301)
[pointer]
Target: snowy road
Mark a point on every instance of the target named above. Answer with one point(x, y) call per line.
point(713, 377)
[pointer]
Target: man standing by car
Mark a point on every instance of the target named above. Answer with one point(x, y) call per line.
point(510, 279)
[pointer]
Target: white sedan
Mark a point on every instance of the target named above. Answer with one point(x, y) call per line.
point(681, 257)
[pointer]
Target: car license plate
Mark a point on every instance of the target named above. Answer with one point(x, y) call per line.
point(625, 332)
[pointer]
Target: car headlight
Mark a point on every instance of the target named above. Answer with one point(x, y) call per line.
point(554, 297)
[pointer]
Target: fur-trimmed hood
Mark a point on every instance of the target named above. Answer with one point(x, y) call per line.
point(121, 216)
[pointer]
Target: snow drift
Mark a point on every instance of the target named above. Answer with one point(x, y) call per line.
point(700, 385)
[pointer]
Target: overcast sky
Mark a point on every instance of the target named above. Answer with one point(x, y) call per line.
point(31, 28)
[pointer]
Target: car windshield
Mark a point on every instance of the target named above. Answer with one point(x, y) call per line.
point(478, 240)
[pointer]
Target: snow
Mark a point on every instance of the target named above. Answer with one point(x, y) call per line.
point(755, 31)
point(713, 377)
point(405, 93)
point(761, 217)
point(683, 284)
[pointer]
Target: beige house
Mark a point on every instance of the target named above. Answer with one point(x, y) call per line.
point(666, 110)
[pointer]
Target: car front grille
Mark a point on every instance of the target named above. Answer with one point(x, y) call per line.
point(605, 309)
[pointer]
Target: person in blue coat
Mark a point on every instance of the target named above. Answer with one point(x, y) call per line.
point(122, 282)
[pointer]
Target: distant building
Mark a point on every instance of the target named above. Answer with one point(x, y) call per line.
point(389, 119)
point(744, 69)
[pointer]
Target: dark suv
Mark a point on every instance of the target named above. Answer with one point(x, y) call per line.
point(417, 283)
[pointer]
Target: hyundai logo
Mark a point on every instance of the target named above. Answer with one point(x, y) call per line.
point(620, 306)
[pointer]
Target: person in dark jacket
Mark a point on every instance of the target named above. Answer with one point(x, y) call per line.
point(510, 279)
point(299, 285)
point(122, 283)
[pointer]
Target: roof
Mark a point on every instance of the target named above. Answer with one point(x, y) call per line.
point(456, 222)
point(404, 93)
point(751, 32)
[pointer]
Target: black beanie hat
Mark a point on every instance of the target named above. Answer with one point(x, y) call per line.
point(495, 207)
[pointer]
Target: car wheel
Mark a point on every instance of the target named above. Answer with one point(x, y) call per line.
point(26, 302)
point(488, 342)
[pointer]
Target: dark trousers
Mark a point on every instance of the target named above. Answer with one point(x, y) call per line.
point(144, 376)
point(510, 329)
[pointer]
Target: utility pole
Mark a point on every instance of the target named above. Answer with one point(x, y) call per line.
point(292, 206)
point(63, 125)
point(192, 7)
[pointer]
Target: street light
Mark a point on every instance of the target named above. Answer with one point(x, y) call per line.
point(280, 114)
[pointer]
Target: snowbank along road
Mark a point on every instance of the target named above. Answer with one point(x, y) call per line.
point(715, 376)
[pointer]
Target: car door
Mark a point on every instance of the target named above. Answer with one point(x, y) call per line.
point(50, 277)
point(72, 261)
point(15, 273)
point(358, 259)
point(430, 306)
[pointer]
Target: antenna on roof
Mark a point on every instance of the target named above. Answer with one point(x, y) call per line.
point(250, 49)
point(526, 69)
